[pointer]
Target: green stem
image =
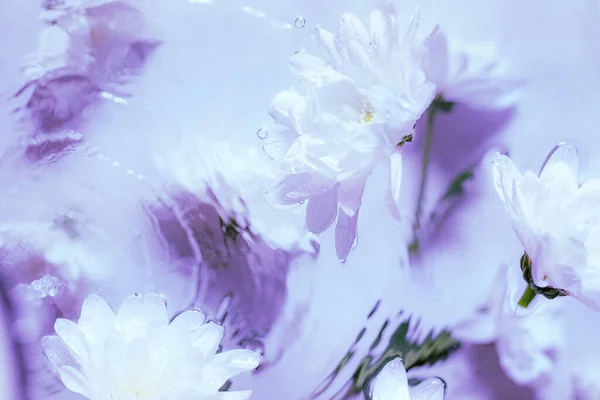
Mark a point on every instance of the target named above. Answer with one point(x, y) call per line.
point(431, 112)
point(527, 297)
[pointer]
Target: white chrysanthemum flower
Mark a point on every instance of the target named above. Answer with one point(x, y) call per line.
point(558, 224)
point(350, 114)
point(526, 340)
point(392, 384)
point(473, 75)
point(139, 354)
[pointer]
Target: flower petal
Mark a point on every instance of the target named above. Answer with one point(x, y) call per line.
point(436, 61)
point(505, 174)
point(208, 339)
point(430, 389)
point(97, 319)
point(351, 194)
point(312, 70)
point(327, 40)
point(350, 29)
point(58, 352)
point(566, 154)
point(345, 233)
point(391, 382)
point(383, 27)
point(321, 211)
point(69, 332)
point(74, 381)
point(188, 323)
point(393, 194)
point(226, 365)
point(294, 188)
point(282, 104)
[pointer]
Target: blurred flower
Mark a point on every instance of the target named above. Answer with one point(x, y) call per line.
point(473, 75)
point(31, 251)
point(232, 179)
point(349, 116)
point(139, 354)
point(86, 48)
point(392, 384)
point(558, 224)
point(526, 340)
point(98, 37)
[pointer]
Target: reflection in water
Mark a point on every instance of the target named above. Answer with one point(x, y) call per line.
point(240, 278)
point(83, 52)
point(13, 368)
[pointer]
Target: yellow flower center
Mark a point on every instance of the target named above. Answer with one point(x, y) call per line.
point(368, 112)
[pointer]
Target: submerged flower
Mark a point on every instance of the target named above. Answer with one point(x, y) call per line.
point(558, 224)
point(392, 384)
point(349, 115)
point(527, 341)
point(139, 354)
point(473, 75)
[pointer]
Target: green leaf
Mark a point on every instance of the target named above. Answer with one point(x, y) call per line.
point(414, 353)
point(456, 187)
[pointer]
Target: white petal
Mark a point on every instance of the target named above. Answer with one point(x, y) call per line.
point(327, 40)
point(57, 352)
point(282, 104)
point(350, 29)
point(97, 319)
point(208, 339)
point(130, 309)
point(505, 173)
point(351, 194)
point(335, 96)
point(188, 323)
point(430, 389)
point(226, 365)
point(74, 381)
point(69, 332)
point(436, 60)
point(565, 154)
point(312, 70)
point(391, 382)
point(154, 309)
point(393, 200)
point(293, 188)
point(322, 211)
point(383, 27)
point(345, 233)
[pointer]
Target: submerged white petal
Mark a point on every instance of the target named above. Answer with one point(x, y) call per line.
point(391, 382)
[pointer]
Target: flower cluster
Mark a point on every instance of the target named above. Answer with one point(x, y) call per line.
point(138, 353)
point(200, 216)
point(359, 107)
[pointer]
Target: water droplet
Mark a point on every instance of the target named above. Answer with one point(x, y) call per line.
point(300, 22)
point(301, 202)
point(262, 134)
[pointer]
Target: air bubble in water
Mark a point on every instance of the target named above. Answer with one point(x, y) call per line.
point(262, 134)
point(300, 22)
